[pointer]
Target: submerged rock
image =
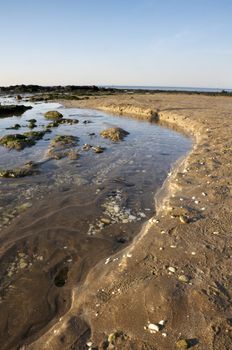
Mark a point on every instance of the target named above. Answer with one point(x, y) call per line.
point(114, 134)
point(73, 154)
point(64, 140)
point(53, 115)
point(60, 146)
point(26, 170)
point(60, 121)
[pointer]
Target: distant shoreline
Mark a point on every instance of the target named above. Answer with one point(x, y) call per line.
point(62, 91)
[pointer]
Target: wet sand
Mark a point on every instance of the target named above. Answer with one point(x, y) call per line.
point(178, 269)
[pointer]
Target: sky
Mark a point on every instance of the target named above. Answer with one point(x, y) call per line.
point(185, 43)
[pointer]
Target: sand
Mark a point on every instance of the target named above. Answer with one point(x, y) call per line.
point(178, 269)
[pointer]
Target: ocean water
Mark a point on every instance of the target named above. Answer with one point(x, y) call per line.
point(168, 88)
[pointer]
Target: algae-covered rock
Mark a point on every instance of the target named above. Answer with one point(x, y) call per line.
point(114, 134)
point(26, 170)
point(64, 141)
point(53, 115)
point(16, 141)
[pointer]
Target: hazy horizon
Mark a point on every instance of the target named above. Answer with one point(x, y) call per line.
point(170, 43)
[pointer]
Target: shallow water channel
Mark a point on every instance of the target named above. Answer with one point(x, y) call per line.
point(59, 222)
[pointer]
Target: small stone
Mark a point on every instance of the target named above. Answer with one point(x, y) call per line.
point(184, 219)
point(116, 209)
point(183, 278)
point(105, 221)
point(171, 269)
point(98, 149)
point(22, 264)
point(153, 327)
point(182, 344)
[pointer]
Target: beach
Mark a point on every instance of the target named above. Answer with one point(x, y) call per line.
point(172, 281)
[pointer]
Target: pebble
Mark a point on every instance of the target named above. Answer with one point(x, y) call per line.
point(153, 328)
point(182, 344)
point(171, 269)
point(105, 221)
point(183, 278)
point(183, 219)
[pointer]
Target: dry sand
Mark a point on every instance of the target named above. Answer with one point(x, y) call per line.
point(178, 269)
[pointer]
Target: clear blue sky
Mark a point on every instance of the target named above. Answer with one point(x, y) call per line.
point(116, 42)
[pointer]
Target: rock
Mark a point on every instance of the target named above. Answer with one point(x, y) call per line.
point(73, 154)
point(184, 219)
point(105, 221)
point(112, 338)
point(53, 115)
point(24, 206)
point(68, 121)
point(26, 170)
point(32, 124)
point(86, 147)
point(184, 278)
point(60, 147)
point(115, 134)
point(14, 127)
point(22, 263)
point(182, 344)
point(8, 110)
point(171, 269)
point(16, 141)
point(18, 97)
point(152, 327)
point(34, 135)
point(98, 149)
point(64, 140)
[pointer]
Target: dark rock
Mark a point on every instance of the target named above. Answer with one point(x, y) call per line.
point(8, 110)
